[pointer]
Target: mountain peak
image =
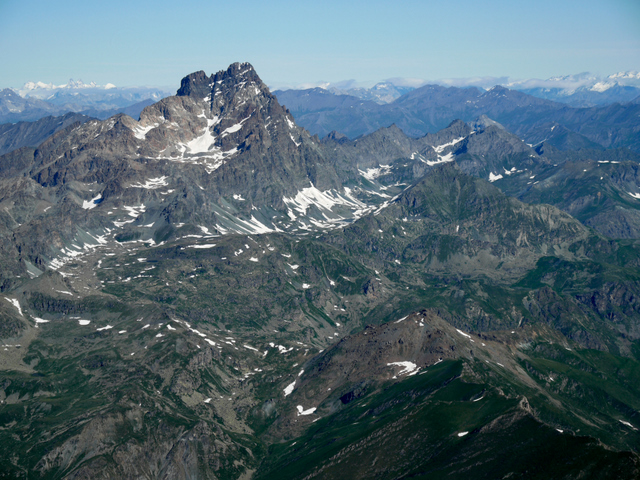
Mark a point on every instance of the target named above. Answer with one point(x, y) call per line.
point(483, 122)
point(497, 89)
point(7, 92)
point(456, 128)
point(199, 85)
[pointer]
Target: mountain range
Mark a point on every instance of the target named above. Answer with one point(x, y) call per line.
point(581, 90)
point(31, 134)
point(213, 291)
point(103, 101)
point(36, 100)
point(585, 89)
point(430, 108)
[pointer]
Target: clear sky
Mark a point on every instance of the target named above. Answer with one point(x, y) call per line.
point(156, 43)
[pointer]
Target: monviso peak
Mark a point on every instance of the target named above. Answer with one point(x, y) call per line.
point(222, 156)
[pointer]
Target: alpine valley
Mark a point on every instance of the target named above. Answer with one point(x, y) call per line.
point(211, 291)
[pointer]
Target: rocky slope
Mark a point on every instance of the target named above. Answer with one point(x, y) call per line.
point(603, 198)
point(439, 377)
point(598, 188)
point(32, 134)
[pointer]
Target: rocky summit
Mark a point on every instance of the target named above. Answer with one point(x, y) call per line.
point(212, 292)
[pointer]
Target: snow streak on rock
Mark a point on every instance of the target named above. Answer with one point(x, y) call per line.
point(373, 173)
point(408, 367)
point(440, 148)
point(152, 183)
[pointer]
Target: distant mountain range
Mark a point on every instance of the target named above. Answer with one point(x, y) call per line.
point(432, 107)
point(37, 99)
point(581, 90)
point(79, 95)
point(584, 90)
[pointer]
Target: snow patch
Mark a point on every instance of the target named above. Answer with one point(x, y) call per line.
point(152, 183)
point(462, 333)
point(140, 132)
point(234, 128)
point(408, 367)
point(289, 388)
point(204, 142)
point(440, 148)
point(628, 424)
point(89, 204)
point(134, 212)
point(323, 200)
point(373, 173)
point(302, 411)
point(15, 303)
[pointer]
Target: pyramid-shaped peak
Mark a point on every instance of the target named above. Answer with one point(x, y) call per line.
point(458, 128)
point(483, 122)
point(198, 84)
point(497, 89)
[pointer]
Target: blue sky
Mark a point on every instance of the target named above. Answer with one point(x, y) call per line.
point(156, 43)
